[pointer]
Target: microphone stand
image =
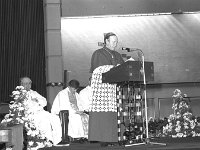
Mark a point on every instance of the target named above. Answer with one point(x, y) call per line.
point(147, 141)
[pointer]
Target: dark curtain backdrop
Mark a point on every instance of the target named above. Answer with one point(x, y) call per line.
point(22, 46)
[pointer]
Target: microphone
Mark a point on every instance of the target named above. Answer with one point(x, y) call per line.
point(130, 49)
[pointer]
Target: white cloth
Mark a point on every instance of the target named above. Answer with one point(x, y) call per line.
point(76, 122)
point(35, 95)
point(103, 94)
point(85, 96)
point(49, 124)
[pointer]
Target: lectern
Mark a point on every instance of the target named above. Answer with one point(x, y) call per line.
point(130, 95)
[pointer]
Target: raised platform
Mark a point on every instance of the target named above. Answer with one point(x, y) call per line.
point(171, 144)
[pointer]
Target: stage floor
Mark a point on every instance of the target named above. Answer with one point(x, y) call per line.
point(171, 144)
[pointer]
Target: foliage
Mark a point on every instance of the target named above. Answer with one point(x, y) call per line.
point(181, 123)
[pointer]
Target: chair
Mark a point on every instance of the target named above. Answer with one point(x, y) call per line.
point(64, 117)
point(4, 109)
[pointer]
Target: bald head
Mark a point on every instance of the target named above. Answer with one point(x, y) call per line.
point(26, 83)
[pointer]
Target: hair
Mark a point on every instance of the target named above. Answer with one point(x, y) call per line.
point(108, 35)
point(20, 79)
point(74, 83)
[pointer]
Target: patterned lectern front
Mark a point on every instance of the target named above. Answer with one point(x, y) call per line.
point(130, 107)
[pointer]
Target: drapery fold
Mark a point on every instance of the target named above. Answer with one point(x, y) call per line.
point(22, 46)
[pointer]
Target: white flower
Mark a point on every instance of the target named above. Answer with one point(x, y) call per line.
point(165, 128)
point(192, 124)
point(21, 108)
point(186, 127)
point(179, 134)
point(19, 88)
point(178, 122)
point(16, 97)
point(15, 93)
point(6, 116)
point(24, 91)
point(178, 129)
point(30, 143)
point(40, 145)
point(174, 136)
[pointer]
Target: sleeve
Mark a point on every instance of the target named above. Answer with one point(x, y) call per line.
point(85, 98)
point(98, 59)
point(94, 61)
point(61, 102)
point(41, 100)
point(119, 58)
point(81, 98)
point(55, 109)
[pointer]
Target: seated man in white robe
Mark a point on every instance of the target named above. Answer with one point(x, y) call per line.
point(68, 99)
point(48, 123)
point(85, 97)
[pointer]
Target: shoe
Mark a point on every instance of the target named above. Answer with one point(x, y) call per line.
point(83, 140)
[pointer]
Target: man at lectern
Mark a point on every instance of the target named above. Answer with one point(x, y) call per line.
point(107, 55)
point(103, 108)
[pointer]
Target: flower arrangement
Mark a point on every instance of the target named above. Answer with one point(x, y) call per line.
point(22, 112)
point(181, 123)
point(156, 126)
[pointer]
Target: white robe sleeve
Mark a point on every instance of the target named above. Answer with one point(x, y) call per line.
point(41, 100)
point(85, 98)
point(79, 102)
point(61, 102)
point(55, 109)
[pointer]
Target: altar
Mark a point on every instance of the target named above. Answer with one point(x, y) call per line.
point(12, 136)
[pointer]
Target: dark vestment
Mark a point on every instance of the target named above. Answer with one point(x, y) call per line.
point(103, 56)
point(103, 125)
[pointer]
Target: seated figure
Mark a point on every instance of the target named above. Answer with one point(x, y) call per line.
point(48, 123)
point(68, 99)
point(85, 96)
